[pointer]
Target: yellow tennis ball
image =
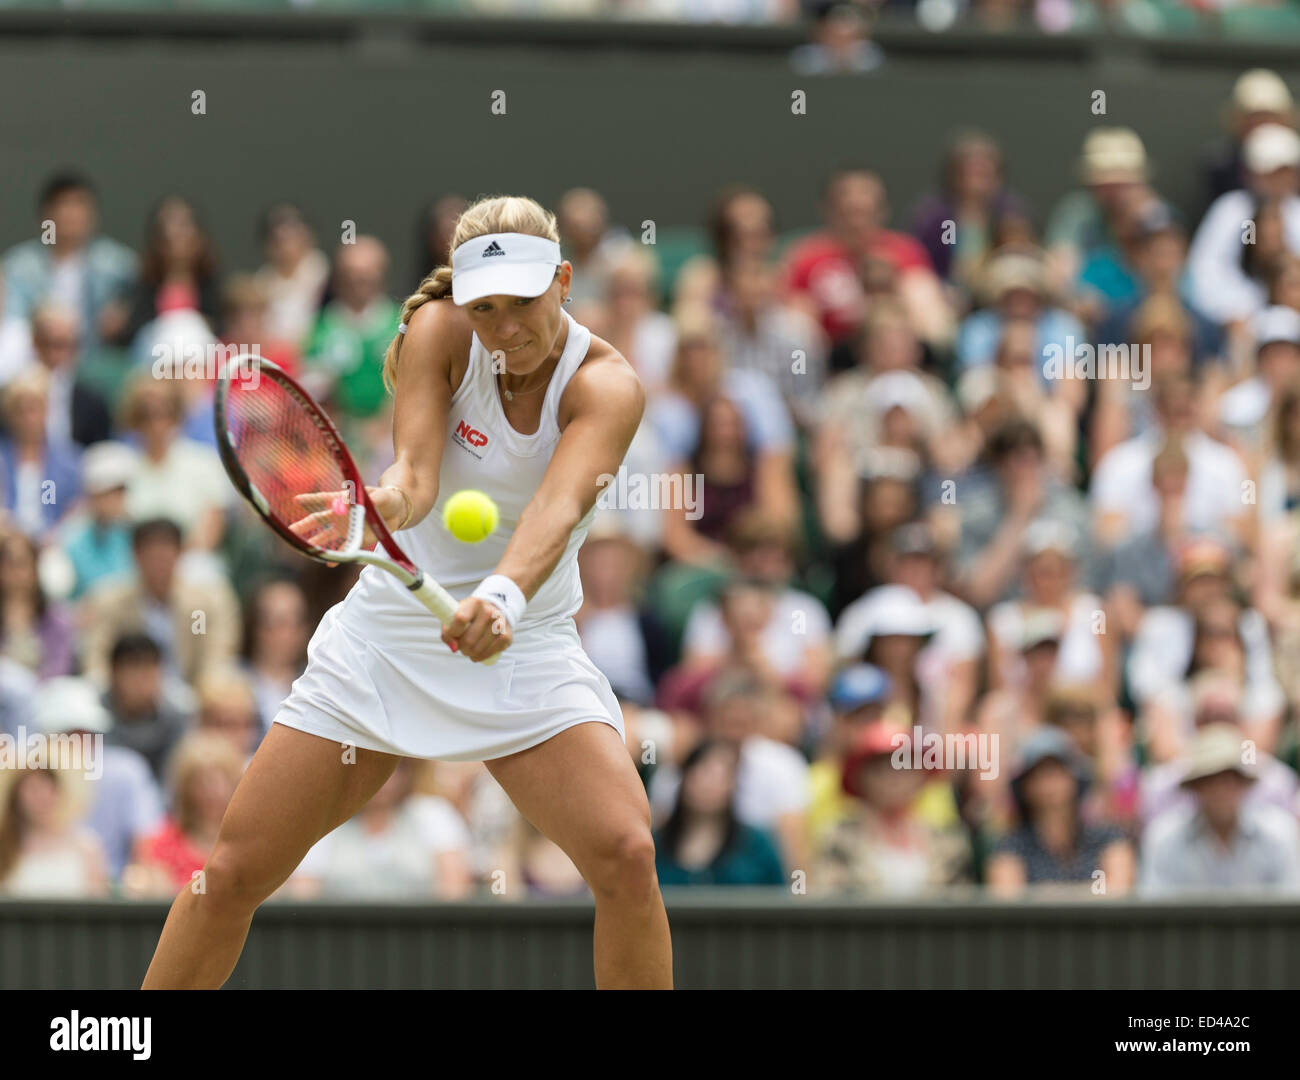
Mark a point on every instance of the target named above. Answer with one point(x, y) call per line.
point(470, 516)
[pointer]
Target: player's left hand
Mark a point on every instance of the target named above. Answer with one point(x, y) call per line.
point(477, 629)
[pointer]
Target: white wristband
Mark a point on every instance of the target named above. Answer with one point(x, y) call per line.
point(505, 595)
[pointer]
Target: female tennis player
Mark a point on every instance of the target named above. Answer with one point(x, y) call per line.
point(496, 388)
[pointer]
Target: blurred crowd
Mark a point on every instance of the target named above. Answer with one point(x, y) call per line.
point(895, 520)
point(840, 29)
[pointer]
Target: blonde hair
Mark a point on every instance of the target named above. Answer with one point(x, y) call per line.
point(197, 751)
point(141, 385)
point(493, 214)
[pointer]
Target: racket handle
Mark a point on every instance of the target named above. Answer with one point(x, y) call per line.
point(443, 605)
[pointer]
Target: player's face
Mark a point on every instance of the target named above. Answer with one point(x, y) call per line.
point(523, 331)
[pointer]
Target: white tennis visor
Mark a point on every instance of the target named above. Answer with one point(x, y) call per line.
point(506, 264)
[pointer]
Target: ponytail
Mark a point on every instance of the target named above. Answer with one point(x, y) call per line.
point(434, 287)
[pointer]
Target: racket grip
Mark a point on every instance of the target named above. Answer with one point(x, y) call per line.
point(443, 605)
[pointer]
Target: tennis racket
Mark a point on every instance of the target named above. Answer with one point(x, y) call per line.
point(286, 458)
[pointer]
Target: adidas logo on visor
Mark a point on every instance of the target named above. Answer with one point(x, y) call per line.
point(493, 249)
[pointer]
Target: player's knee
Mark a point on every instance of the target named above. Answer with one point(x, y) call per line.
point(233, 878)
point(625, 864)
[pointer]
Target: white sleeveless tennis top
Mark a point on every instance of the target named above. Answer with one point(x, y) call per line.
point(485, 453)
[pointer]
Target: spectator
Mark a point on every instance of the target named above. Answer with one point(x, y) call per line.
point(884, 845)
point(247, 327)
point(960, 224)
point(77, 413)
point(97, 543)
point(614, 632)
point(1103, 737)
point(1166, 717)
point(855, 404)
point(276, 632)
point(194, 623)
point(703, 842)
point(228, 707)
point(1216, 700)
point(772, 785)
point(822, 270)
point(1049, 584)
point(71, 264)
point(1244, 409)
point(1259, 97)
point(1279, 471)
point(44, 850)
point(1222, 286)
point(123, 801)
point(699, 376)
point(635, 326)
point(1114, 171)
point(346, 349)
point(16, 350)
point(289, 286)
point(434, 230)
point(1222, 844)
point(178, 272)
point(202, 774)
point(890, 627)
point(1052, 844)
point(589, 242)
point(997, 507)
point(1015, 286)
point(175, 477)
point(1123, 407)
point(1159, 261)
point(762, 334)
point(796, 638)
point(40, 475)
point(400, 846)
point(1123, 502)
point(857, 697)
point(841, 44)
point(1164, 647)
point(34, 631)
point(150, 714)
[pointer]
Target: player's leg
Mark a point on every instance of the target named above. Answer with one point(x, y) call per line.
point(297, 788)
point(582, 791)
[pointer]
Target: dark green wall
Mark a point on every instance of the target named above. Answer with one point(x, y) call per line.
point(741, 938)
point(365, 120)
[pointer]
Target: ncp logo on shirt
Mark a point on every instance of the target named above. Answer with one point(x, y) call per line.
point(470, 438)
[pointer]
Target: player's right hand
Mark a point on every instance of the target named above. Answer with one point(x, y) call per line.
point(477, 629)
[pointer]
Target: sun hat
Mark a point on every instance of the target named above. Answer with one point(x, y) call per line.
point(1216, 749)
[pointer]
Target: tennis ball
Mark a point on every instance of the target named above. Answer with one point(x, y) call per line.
point(470, 516)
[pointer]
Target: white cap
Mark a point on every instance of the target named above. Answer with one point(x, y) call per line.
point(1277, 323)
point(1270, 147)
point(504, 264)
point(69, 703)
point(107, 465)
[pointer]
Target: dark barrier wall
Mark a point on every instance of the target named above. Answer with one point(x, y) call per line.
point(364, 120)
point(718, 942)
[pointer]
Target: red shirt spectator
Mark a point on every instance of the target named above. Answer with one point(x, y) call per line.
point(825, 270)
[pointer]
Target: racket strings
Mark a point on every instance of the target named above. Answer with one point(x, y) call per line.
point(284, 455)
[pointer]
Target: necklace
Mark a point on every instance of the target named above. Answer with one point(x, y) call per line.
point(512, 394)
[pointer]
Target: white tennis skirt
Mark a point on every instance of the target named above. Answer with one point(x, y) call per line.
point(384, 680)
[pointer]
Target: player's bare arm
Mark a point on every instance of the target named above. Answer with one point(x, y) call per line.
point(436, 335)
